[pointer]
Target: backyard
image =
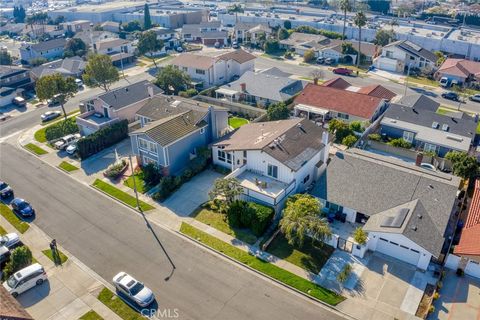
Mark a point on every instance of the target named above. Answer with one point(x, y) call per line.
point(311, 256)
point(236, 122)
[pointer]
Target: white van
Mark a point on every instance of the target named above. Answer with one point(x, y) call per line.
point(25, 279)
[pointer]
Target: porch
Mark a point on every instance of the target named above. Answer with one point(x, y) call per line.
point(312, 113)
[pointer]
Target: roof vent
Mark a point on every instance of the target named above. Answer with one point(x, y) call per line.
point(435, 125)
point(419, 216)
point(414, 228)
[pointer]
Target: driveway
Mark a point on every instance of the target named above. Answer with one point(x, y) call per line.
point(459, 298)
point(192, 194)
point(100, 161)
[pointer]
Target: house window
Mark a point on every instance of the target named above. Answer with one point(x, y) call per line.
point(244, 153)
point(147, 160)
point(408, 136)
point(142, 144)
point(428, 147)
point(229, 158)
point(305, 180)
point(185, 69)
point(202, 130)
point(343, 116)
point(389, 54)
point(416, 251)
point(147, 145)
point(221, 155)
point(199, 71)
point(272, 171)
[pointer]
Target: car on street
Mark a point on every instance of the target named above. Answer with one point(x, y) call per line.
point(5, 190)
point(343, 71)
point(475, 97)
point(53, 102)
point(66, 141)
point(25, 279)
point(450, 96)
point(71, 149)
point(50, 115)
point(22, 207)
point(133, 289)
point(9, 240)
point(427, 166)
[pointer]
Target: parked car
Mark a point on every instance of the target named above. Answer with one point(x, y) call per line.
point(475, 97)
point(53, 102)
point(71, 149)
point(444, 82)
point(22, 207)
point(329, 61)
point(19, 102)
point(133, 289)
point(79, 83)
point(179, 49)
point(217, 45)
point(343, 71)
point(320, 60)
point(427, 166)
point(10, 240)
point(235, 45)
point(27, 278)
point(5, 190)
point(4, 256)
point(50, 115)
point(66, 141)
point(450, 96)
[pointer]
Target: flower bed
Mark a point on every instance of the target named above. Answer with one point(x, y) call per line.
point(116, 170)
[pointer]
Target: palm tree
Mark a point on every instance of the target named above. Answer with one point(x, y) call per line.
point(345, 6)
point(360, 21)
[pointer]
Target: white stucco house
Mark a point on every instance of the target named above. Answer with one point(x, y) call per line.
point(275, 159)
point(399, 55)
point(404, 208)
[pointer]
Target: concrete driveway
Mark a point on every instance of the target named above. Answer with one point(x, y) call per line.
point(459, 298)
point(100, 161)
point(192, 194)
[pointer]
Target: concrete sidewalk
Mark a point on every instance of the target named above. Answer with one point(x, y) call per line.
point(71, 289)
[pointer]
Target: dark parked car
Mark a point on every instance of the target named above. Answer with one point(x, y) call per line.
point(343, 71)
point(5, 190)
point(450, 96)
point(4, 256)
point(22, 207)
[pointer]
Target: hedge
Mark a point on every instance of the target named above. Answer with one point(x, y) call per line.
point(102, 139)
point(250, 215)
point(61, 129)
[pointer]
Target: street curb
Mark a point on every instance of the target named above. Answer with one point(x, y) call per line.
point(324, 304)
point(121, 202)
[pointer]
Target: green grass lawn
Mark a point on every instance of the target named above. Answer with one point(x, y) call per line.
point(423, 80)
point(67, 166)
point(271, 270)
point(114, 303)
point(217, 221)
point(444, 110)
point(478, 128)
point(35, 149)
point(91, 315)
point(2, 231)
point(48, 253)
point(237, 122)
point(12, 218)
point(120, 195)
point(310, 257)
point(141, 187)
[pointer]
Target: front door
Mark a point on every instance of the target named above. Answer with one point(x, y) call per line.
point(105, 112)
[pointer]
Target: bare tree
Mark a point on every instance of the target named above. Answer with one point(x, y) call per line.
point(316, 75)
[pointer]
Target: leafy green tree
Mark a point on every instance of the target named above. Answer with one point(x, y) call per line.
point(151, 174)
point(20, 258)
point(5, 58)
point(277, 111)
point(148, 43)
point(271, 46)
point(283, 34)
point(19, 14)
point(384, 37)
point(58, 20)
point(464, 165)
point(347, 48)
point(226, 190)
point(400, 143)
point(287, 24)
point(100, 72)
point(356, 126)
point(55, 86)
point(349, 140)
point(132, 26)
point(147, 20)
point(302, 217)
point(440, 58)
point(345, 6)
point(360, 21)
point(360, 236)
point(172, 80)
point(309, 55)
point(75, 47)
point(37, 61)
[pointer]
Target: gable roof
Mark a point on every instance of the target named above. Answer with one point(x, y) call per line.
point(8, 71)
point(344, 101)
point(378, 91)
point(297, 38)
point(419, 101)
point(413, 49)
point(110, 43)
point(470, 238)
point(274, 71)
point(240, 56)
point(374, 184)
point(125, 96)
point(191, 60)
point(291, 142)
point(460, 68)
point(49, 45)
point(338, 83)
point(68, 67)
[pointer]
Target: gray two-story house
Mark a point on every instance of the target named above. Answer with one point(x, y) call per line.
point(51, 49)
point(173, 129)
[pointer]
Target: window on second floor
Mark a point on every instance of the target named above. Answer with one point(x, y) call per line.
point(147, 145)
point(389, 54)
point(199, 71)
point(272, 171)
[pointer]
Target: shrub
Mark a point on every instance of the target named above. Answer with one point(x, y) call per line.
point(261, 218)
point(360, 236)
point(400, 143)
point(114, 170)
point(19, 259)
point(431, 309)
point(102, 139)
point(345, 273)
point(61, 129)
point(235, 212)
point(357, 126)
point(188, 93)
point(165, 188)
point(436, 295)
point(375, 136)
point(349, 140)
point(309, 56)
point(439, 285)
point(188, 174)
point(151, 174)
point(288, 55)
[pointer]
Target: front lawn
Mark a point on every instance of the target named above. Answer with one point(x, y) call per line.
point(57, 130)
point(310, 257)
point(48, 253)
point(478, 128)
point(443, 110)
point(35, 149)
point(12, 218)
point(2, 231)
point(218, 221)
point(237, 122)
point(91, 315)
point(423, 80)
point(117, 305)
point(266, 268)
point(66, 166)
point(121, 195)
point(141, 186)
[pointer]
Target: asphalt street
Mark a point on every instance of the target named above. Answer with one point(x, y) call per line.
point(108, 238)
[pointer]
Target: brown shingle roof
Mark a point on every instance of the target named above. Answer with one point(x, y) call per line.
point(240, 56)
point(338, 83)
point(352, 103)
point(10, 308)
point(377, 91)
point(191, 60)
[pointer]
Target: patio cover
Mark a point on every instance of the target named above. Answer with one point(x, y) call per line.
point(227, 92)
point(311, 109)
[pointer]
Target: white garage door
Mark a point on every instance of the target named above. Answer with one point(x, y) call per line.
point(397, 251)
point(473, 269)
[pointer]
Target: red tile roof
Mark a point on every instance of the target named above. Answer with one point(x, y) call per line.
point(460, 67)
point(470, 240)
point(338, 83)
point(352, 103)
point(378, 91)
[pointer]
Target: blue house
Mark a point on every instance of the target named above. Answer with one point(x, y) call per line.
point(417, 122)
point(51, 49)
point(173, 129)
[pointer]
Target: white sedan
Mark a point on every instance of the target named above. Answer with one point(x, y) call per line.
point(71, 149)
point(133, 289)
point(9, 240)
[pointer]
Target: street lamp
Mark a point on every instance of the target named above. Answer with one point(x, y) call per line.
point(134, 183)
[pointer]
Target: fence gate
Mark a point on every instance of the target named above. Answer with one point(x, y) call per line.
point(345, 245)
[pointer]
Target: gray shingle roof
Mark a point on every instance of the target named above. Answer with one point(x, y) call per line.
point(418, 101)
point(67, 67)
point(125, 96)
point(414, 49)
point(373, 184)
point(49, 45)
point(161, 107)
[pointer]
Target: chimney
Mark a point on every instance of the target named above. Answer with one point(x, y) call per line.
point(150, 91)
point(418, 160)
point(326, 149)
point(243, 86)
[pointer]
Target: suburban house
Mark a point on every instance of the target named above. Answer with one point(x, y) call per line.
point(36, 31)
point(91, 37)
point(467, 251)
point(111, 26)
point(398, 56)
point(251, 32)
point(459, 70)
point(374, 90)
point(76, 26)
point(173, 129)
point(168, 36)
point(275, 159)
point(7, 94)
point(68, 67)
point(428, 130)
point(334, 100)
point(114, 105)
point(119, 50)
point(51, 49)
point(206, 32)
point(15, 77)
point(215, 70)
point(404, 208)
